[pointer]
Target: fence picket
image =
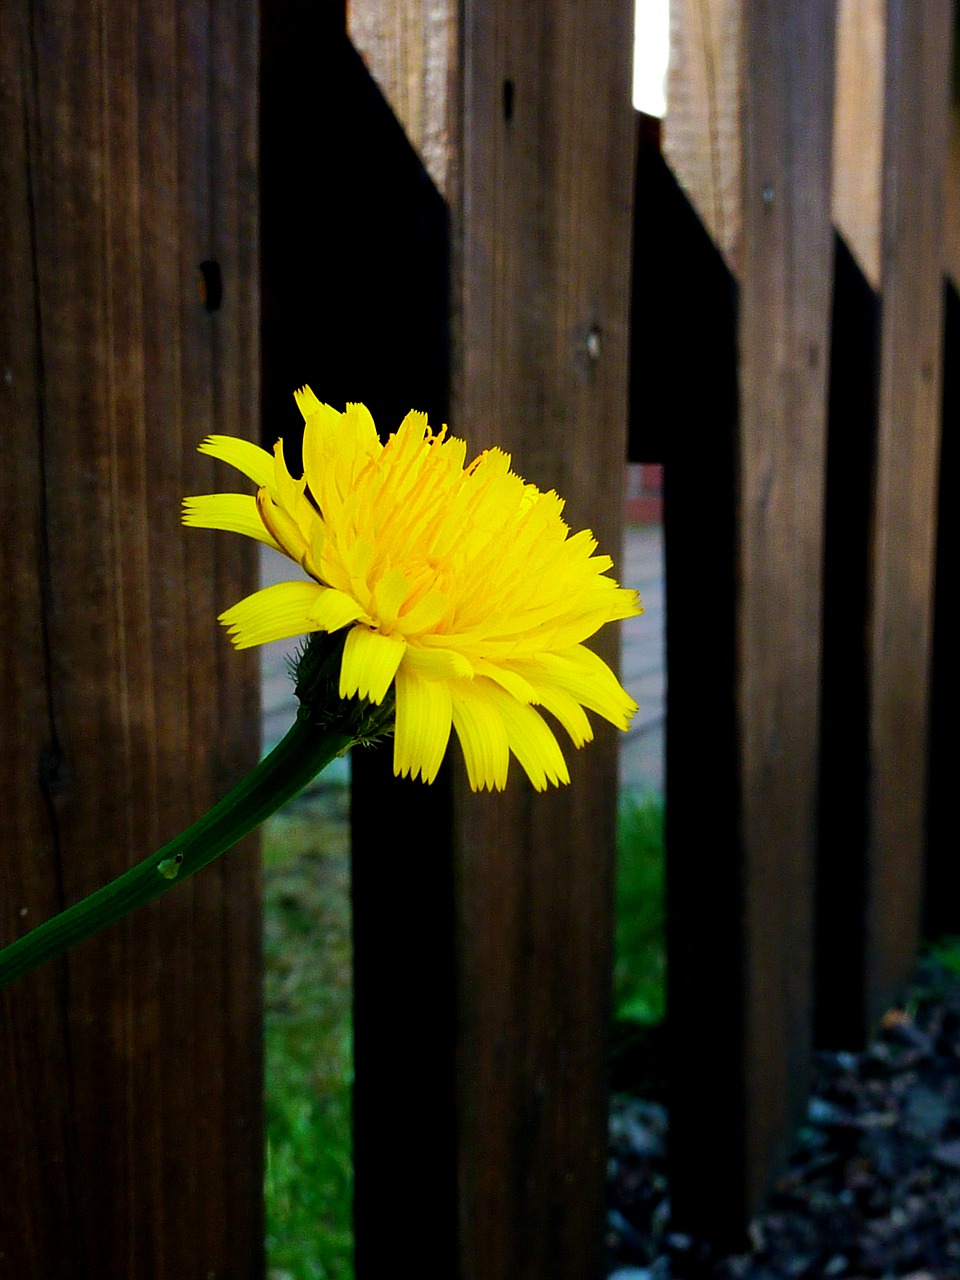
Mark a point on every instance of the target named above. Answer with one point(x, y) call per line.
point(130, 1074)
point(873, 813)
point(542, 368)
point(743, 672)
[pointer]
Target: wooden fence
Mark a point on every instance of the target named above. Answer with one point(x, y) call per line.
point(130, 1080)
point(444, 219)
point(801, 496)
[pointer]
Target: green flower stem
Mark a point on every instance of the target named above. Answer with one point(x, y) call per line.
point(293, 762)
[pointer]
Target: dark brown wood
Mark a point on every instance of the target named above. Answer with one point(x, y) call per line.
point(541, 263)
point(744, 500)
point(875, 798)
point(131, 1068)
point(899, 621)
point(942, 888)
point(942, 898)
point(783, 336)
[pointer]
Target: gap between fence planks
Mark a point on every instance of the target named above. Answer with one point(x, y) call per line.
point(130, 1069)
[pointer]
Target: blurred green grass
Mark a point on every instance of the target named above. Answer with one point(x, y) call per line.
point(308, 1026)
point(308, 1040)
point(639, 974)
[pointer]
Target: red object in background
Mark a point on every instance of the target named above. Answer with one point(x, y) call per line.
point(643, 502)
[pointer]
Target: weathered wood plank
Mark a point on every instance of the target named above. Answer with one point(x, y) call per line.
point(858, 130)
point(702, 129)
point(885, 796)
point(135, 1146)
point(942, 901)
point(541, 279)
point(951, 196)
point(918, 62)
point(741, 877)
point(785, 300)
point(409, 47)
point(942, 898)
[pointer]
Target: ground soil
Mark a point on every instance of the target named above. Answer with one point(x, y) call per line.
point(873, 1190)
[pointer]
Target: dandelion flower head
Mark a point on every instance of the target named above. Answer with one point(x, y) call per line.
point(461, 587)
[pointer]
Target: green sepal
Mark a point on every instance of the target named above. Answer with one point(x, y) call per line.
point(316, 677)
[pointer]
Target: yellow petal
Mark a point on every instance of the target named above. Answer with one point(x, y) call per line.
point(234, 512)
point(567, 710)
point(482, 734)
point(307, 402)
point(285, 530)
point(506, 678)
point(437, 664)
point(359, 425)
point(587, 678)
point(370, 661)
point(425, 614)
point(275, 613)
point(388, 595)
point(336, 446)
point(334, 609)
point(242, 454)
point(459, 583)
point(287, 490)
point(424, 718)
point(532, 742)
point(356, 560)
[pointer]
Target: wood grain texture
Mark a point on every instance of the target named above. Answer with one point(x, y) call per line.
point(131, 1068)
point(942, 889)
point(409, 47)
point(541, 261)
point(900, 605)
point(743, 580)
point(784, 327)
point(887, 356)
point(702, 129)
point(858, 130)
point(951, 218)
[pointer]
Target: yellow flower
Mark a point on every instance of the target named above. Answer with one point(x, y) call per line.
point(461, 586)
